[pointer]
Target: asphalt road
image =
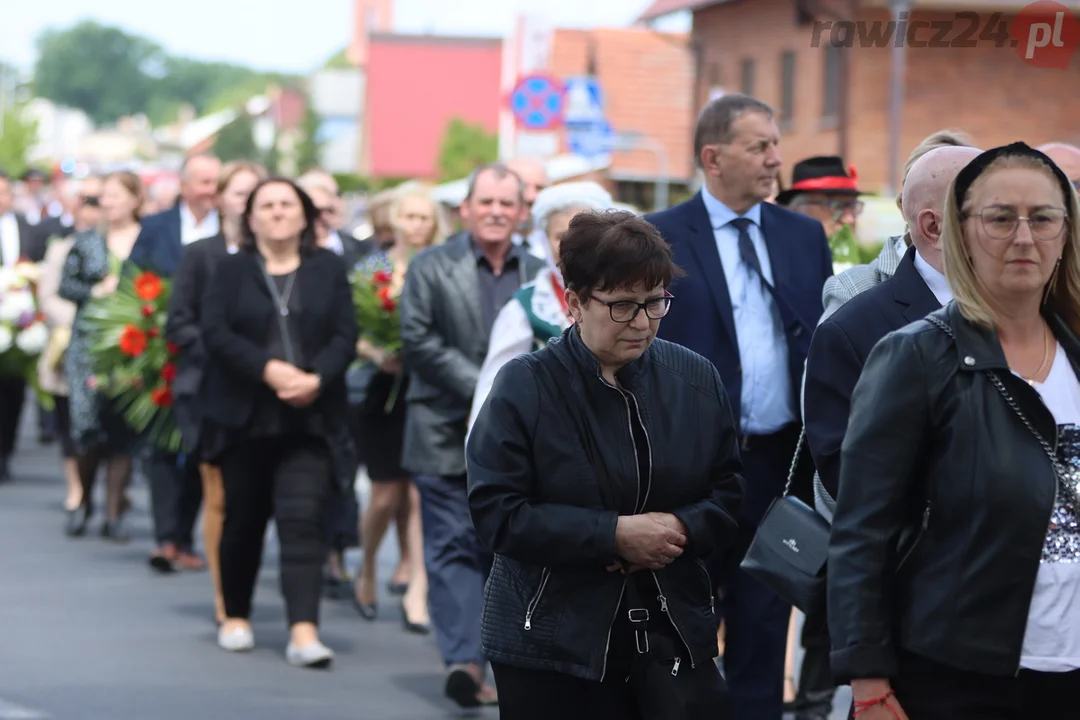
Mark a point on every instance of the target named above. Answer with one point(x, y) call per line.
point(89, 632)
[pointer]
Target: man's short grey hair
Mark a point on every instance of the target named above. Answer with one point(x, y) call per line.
point(716, 122)
point(191, 158)
point(501, 171)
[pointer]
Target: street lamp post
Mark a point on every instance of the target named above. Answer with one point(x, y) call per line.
point(899, 58)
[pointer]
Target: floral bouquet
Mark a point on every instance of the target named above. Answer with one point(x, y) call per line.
point(23, 333)
point(378, 317)
point(134, 365)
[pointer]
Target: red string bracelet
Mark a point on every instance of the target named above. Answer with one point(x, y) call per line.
point(864, 705)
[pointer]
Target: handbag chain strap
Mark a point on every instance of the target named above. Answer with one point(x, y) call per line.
point(795, 460)
point(1003, 391)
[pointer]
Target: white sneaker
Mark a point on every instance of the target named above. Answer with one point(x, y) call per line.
point(238, 639)
point(315, 655)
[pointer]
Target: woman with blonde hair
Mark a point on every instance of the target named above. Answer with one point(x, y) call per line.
point(954, 558)
point(380, 420)
point(91, 271)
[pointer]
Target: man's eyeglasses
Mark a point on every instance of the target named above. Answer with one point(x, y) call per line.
point(624, 311)
point(840, 207)
point(1002, 223)
point(90, 200)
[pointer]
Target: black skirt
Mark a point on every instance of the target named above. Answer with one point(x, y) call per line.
point(380, 430)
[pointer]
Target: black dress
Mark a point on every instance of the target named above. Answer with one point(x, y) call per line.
point(381, 434)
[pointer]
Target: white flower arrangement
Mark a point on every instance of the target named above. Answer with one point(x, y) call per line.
point(23, 334)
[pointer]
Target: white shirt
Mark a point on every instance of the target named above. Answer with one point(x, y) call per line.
point(1052, 637)
point(934, 280)
point(9, 240)
point(192, 230)
point(334, 242)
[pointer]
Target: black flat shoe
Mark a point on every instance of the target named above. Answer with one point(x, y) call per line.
point(412, 627)
point(368, 611)
point(114, 531)
point(77, 521)
point(397, 588)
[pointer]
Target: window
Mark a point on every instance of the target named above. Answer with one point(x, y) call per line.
point(787, 89)
point(831, 98)
point(748, 77)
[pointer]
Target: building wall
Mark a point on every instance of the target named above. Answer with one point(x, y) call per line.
point(416, 85)
point(337, 97)
point(986, 91)
point(647, 79)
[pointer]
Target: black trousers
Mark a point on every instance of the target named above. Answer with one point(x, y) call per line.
point(928, 690)
point(175, 497)
point(542, 695)
point(288, 478)
point(12, 399)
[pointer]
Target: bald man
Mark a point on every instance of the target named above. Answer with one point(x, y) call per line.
point(175, 483)
point(535, 178)
point(1066, 157)
point(840, 347)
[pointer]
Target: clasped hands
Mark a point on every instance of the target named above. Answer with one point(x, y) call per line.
point(648, 542)
point(292, 385)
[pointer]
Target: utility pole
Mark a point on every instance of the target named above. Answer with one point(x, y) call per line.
point(900, 10)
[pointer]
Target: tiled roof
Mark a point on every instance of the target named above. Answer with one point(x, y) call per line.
point(648, 81)
point(659, 8)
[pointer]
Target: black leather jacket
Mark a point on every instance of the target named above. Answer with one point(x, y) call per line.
point(933, 447)
point(536, 503)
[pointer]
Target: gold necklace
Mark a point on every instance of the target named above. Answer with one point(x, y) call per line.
point(1046, 357)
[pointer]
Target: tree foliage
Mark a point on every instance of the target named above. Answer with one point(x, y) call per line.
point(236, 141)
point(18, 138)
point(465, 147)
point(109, 73)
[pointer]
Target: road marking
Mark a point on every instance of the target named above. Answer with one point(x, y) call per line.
point(11, 711)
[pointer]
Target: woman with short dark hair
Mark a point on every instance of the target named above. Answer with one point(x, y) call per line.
point(279, 332)
point(603, 470)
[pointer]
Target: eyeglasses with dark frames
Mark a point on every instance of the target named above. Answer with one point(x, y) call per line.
point(1002, 223)
point(624, 311)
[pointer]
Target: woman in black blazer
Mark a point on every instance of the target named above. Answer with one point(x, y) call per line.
point(279, 331)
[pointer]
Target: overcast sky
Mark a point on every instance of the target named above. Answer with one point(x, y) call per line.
point(285, 34)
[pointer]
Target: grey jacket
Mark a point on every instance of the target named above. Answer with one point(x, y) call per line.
point(443, 346)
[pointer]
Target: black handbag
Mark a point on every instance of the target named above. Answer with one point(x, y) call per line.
point(666, 686)
point(790, 549)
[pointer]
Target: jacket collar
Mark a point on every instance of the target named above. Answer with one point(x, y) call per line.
point(570, 347)
point(978, 348)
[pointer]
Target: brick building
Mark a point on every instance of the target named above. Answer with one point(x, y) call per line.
point(836, 99)
point(648, 83)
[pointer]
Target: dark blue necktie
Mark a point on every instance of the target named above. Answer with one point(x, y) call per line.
point(747, 251)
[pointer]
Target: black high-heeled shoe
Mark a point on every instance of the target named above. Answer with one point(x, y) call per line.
point(413, 627)
point(77, 521)
point(113, 530)
point(368, 611)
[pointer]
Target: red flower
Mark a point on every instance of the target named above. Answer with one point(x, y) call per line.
point(153, 332)
point(147, 310)
point(148, 286)
point(173, 349)
point(168, 372)
point(132, 341)
point(382, 277)
point(387, 300)
point(162, 396)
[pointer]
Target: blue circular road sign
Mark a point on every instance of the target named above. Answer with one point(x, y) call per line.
point(537, 102)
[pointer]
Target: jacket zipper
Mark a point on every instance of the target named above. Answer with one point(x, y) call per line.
point(664, 609)
point(536, 598)
point(918, 538)
point(648, 448)
point(611, 625)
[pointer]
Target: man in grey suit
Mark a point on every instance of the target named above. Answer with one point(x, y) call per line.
point(451, 297)
point(842, 287)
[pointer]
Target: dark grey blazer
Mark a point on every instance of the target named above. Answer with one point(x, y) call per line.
point(443, 346)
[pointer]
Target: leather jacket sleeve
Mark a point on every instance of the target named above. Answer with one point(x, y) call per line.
point(423, 350)
point(710, 523)
point(502, 485)
point(887, 434)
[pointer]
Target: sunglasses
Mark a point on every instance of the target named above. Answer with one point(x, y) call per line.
point(90, 200)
